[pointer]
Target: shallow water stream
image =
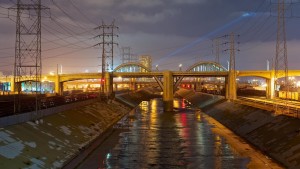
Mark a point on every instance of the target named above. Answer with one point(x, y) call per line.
point(157, 139)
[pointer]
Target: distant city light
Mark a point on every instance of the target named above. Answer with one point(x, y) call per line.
point(180, 65)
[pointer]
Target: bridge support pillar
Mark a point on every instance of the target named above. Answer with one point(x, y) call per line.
point(168, 94)
point(115, 87)
point(59, 86)
point(12, 85)
point(230, 82)
point(132, 84)
point(108, 84)
point(270, 94)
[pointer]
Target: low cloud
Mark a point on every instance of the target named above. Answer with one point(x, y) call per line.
point(138, 17)
point(102, 3)
point(189, 1)
point(139, 3)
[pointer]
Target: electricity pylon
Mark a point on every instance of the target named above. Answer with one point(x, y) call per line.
point(231, 89)
point(107, 43)
point(28, 61)
point(281, 60)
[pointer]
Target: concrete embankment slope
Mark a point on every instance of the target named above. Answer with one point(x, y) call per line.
point(277, 136)
point(135, 98)
point(57, 138)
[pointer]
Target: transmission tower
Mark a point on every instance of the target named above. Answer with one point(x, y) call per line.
point(28, 62)
point(126, 55)
point(232, 49)
point(107, 43)
point(232, 73)
point(216, 49)
point(281, 60)
point(232, 52)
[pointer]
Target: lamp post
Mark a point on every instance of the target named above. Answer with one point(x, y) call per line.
point(180, 66)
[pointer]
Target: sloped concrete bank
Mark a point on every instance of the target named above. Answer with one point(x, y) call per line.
point(133, 99)
point(58, 137)
point(277, 136)
point(30, 116)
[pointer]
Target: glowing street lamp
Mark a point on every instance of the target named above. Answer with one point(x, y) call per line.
point(180, 65)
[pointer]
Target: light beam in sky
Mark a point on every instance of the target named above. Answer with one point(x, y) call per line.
point(208, 35)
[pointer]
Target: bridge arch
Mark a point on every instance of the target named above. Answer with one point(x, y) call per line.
point(206, 66)
point(131, 67)
point(257, 74)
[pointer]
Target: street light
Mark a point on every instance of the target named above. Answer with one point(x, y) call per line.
point(180, 65)
point(156, 67)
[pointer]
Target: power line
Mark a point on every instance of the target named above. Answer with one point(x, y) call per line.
point(67, 53)
point(61, 39)
point(87, 18)
point(70, 17)
point(249, 18)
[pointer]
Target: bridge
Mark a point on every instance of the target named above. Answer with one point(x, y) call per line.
point(168, 80)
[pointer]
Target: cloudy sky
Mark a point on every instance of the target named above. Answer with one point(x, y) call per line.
point(173, 32)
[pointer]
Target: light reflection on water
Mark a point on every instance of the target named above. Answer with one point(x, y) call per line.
point(181, 139)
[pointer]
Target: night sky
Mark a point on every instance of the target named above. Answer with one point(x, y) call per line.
point(173, 32)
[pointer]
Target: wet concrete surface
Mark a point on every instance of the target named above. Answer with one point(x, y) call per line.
point(157, 139)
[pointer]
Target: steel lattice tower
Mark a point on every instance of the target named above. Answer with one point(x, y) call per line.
point(107, 42)
point(126, 55)
point(216, 50)
point(281, 60)
point(232, 53)
point(28, 62)
point(231, 93)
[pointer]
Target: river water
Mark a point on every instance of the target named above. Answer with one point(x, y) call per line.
point(158, 139)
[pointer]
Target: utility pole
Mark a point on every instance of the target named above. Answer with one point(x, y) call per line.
point(28, 61)
point(281, 60)
point(107, 43)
